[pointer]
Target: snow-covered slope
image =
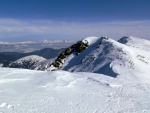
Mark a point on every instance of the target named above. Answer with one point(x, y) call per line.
point(28, 62)
point(135, 42)
point(30, 91)
point(110, 57)
point(43, 64)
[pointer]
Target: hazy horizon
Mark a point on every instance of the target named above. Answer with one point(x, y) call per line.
point(73, 19)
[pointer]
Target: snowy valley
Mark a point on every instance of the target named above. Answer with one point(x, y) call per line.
point(95, 75)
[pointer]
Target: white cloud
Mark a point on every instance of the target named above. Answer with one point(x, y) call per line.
point(46, 28)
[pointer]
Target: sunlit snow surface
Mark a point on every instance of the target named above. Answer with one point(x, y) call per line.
point(112, 58)
point(28, 91)
point(31, 91)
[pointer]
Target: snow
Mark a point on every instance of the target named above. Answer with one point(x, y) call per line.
point(31, 57)
point(1, 65)
point(108, 77)
point(32, 60)
point(90, 40)
point(110, 57)
point(136, 42)
point(43, 64)
point(29, 91)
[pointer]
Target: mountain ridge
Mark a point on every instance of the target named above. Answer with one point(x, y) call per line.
point(109, 57)
point(28, 62)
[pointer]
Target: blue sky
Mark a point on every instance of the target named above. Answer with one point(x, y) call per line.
point(22, 20)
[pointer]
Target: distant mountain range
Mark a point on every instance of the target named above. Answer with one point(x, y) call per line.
point(30, 46)
point(35, 42)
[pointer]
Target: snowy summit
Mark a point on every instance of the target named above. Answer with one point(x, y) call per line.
point(106, 56)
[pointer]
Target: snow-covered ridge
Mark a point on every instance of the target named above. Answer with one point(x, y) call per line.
point(31, 57)
point(135, 42)
point(28, 62)
point(107, 56)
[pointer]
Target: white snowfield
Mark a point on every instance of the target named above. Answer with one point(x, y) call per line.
point(123, 88)
point(28, 91)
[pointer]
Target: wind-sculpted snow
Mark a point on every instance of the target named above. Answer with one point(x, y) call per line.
point(29, 91)
point(125, 89)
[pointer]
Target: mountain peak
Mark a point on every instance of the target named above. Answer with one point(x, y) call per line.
point(106, 56)
point(90, 43)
